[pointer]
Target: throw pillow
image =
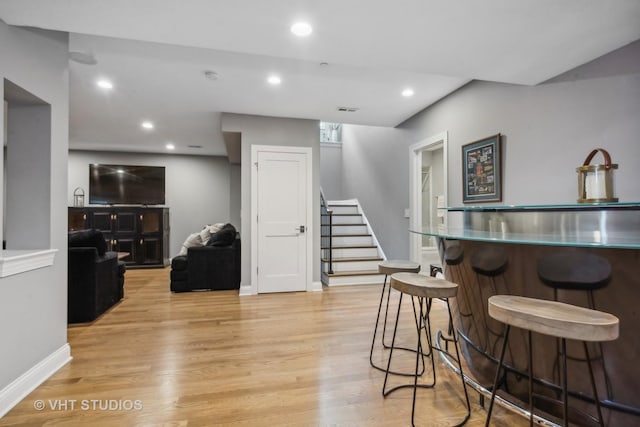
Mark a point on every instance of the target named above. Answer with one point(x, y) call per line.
point(225, 237)
point(215, 227)
point(205, 234)
point(193, 240)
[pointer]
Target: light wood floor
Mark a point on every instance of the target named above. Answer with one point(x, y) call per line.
point(214, 358)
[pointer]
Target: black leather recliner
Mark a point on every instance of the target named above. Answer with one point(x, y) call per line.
point(207, 268)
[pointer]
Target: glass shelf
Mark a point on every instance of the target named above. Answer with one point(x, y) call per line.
point(595, 239)
point(565, 206)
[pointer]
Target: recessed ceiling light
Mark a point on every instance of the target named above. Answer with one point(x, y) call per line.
point(170, 146)
point(407, 92)
point(147, 125)
point(104, 84)
point(301, 29)
point(274, 80)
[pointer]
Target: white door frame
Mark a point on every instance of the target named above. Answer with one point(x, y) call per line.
point(415, 187)
point(254, 210)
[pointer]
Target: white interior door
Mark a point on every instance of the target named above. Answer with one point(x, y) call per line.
point(281, 221)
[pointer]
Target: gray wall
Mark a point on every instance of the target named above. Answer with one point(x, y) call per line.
point(33, 305)
point(235, 190)
point(331, 170)
point(548, 130)
point(376, 172)
point(259, 130)
point(197, 187)
point(28, 198)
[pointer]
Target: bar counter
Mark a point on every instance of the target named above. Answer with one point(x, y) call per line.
point(502, 250)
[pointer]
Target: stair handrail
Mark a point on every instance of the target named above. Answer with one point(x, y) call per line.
point(327, 213)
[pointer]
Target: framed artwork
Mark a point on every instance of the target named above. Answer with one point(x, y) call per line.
point(481, 171)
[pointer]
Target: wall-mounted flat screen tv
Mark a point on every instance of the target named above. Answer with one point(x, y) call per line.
point(126, 185)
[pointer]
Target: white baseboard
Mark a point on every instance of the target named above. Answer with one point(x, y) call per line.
point(245, 290)
point(316, 287)
point(13, 393)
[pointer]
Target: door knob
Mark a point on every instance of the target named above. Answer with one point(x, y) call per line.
point(300, 229)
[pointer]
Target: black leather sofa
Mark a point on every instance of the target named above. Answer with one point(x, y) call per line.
point(95, 279)
point(207, 268)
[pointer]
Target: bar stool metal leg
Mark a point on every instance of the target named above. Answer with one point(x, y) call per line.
point(424, 324)
point(459, 358)
point(593, 384)
point(419, 355)
point(497, 378)
point(530, 378)
point(554, 319)
point(384, 328)
point(375, 329)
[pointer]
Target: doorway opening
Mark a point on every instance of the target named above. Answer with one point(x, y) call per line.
point(428, 187)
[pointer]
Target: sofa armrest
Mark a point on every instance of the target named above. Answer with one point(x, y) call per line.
point(214, 267)
point(91, 284)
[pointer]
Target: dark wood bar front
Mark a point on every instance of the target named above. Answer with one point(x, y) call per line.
point(586, 255)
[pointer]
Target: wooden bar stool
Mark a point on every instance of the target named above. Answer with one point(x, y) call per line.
point(425, 288)
point(389, 267)
point(573, 272)
point(555, 319)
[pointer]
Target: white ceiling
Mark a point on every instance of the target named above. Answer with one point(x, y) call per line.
point(156, 52)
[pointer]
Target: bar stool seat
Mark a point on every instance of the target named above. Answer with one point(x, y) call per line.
point(574, 271)
point(389, 267)
point(416, 285)
point(577, 272)
point(490, 261)
point(424, 288)
point(555, 319)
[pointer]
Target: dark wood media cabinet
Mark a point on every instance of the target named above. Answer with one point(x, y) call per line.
point(142, 232)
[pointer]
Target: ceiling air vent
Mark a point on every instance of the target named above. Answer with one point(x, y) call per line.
point(348, 109)
point(194, 146)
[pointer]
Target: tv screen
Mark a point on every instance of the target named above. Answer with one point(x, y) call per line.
point(126, 185)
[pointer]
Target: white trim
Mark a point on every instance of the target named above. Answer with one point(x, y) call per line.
point(365, 220)
point(15, 261)
point(415, 186)
point(254, 205)
point(245, 290)
point(370, 231)
point(331, 145)
point(17, 390)
point(316, 286)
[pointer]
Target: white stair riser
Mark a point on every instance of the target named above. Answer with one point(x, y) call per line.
point(352, 253)
point(339, 219)
point(347, 209)
point(351, 240)
point(339, 267)
point(355, 280)
point(349, 229)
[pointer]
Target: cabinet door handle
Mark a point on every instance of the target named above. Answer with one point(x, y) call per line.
point(84, 217)
point(140, 241)
point(140, 217)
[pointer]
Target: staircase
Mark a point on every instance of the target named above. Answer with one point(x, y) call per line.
point(354, 253)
